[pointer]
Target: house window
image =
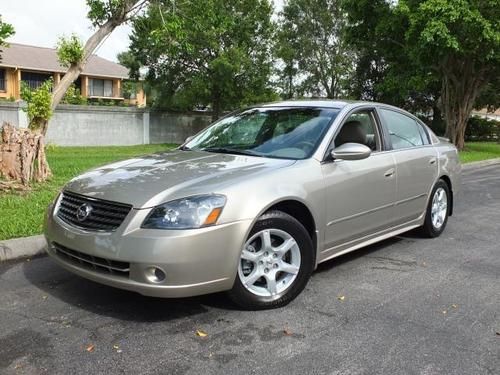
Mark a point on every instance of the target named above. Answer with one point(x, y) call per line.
point(2, 79)
point(34, 80)
point(101, 87)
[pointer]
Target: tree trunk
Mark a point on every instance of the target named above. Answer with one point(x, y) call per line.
point(22, 155)
point(92, 43)
point(461, 84)
point(216, 106)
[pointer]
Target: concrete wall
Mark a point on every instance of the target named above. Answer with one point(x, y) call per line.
point(102, 126)
point(12, 112)
point(97, 126)
point(171, 127)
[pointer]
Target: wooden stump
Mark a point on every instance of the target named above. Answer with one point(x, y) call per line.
point(22, 155)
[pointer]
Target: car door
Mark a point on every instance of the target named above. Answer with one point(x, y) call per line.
point(416, 163)
point(359, 193)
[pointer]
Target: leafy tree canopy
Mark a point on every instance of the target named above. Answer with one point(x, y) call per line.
point(199, 53)
point(6, 31)
point(311, 43)
point(443, 52)
point(69, 50)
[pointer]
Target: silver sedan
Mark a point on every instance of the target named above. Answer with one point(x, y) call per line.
point(252, 204)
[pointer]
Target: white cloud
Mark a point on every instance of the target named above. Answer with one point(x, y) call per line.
point(41, 23)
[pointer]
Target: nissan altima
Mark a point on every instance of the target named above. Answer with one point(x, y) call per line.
point(253, 203)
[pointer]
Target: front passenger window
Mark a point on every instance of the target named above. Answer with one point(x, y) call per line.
point(360, 128)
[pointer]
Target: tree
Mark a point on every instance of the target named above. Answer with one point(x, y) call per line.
point(214, 52)
point(22, 153)
point(385, 72)
point(448, 50)
point(312, 46)
point(6, 31)
point(105, 15)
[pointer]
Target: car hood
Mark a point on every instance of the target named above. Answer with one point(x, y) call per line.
point(150, 180)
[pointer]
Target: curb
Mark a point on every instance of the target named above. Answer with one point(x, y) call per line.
point(22, 247)
point(479, 164)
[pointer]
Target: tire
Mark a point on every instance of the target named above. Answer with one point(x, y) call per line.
point(260, 264)
point(434, 228)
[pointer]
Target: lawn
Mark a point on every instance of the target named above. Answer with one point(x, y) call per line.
point(476, 151)
point(21, 214)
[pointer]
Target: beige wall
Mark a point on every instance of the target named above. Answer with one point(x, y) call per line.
point(12, 84)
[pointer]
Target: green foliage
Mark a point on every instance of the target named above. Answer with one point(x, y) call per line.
point(385, 71)
point(129, 88)
point(69, 50)
point(101, 11)
point(6, 31)
point(421, 54)
point(73, 96)
point(38, 103)
point(481, 129)
point(312, 46)
point(212, 52)
point(128, 60)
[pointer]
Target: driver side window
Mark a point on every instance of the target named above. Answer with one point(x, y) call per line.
point(359, 127)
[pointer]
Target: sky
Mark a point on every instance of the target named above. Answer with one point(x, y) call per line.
point(42, 22)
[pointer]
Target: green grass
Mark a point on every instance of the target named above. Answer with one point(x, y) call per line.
point(21, 214)
point(476, 151)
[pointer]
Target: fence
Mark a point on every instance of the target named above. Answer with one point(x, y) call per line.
point(73, 125)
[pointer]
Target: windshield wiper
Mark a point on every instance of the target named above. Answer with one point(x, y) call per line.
point(225, 150)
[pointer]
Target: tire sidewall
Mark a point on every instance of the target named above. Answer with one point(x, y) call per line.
point(282, 221)
point(433, 231)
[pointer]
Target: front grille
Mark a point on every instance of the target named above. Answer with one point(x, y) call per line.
point(103, 215)
point(98, 264)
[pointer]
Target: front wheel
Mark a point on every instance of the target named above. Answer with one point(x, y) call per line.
point(275, 263)
point(437, 210)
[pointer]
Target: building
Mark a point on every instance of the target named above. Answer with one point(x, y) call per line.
point(101, 79)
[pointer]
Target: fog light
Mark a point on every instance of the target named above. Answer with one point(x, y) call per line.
point(155, 275)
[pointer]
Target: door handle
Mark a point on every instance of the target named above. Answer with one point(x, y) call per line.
point(389, 173)
point(432, 161)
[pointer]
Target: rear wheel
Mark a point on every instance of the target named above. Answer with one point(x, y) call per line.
point(437, 210)
point(275, 263)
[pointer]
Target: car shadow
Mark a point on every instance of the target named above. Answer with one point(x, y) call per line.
point(328, 265)
point(100, 299)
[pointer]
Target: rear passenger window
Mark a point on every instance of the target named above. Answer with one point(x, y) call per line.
point(404, 131)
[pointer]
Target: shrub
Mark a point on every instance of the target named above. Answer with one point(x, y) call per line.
point(73, 96)
point(481, 129)
point(38, 104)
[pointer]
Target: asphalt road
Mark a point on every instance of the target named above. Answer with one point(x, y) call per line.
point(410, 306)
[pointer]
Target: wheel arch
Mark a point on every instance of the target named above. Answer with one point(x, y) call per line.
point(302, 213)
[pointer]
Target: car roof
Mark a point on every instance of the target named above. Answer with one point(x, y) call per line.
point(325, 103)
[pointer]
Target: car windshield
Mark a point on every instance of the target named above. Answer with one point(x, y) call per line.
point(278, 132)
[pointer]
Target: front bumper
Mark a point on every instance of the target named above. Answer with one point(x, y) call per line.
point(195, 262)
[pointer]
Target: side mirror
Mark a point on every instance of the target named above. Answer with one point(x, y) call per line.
point(189, 138)
point(351, 151)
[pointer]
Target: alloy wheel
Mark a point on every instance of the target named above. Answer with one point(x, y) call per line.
point(269, 263)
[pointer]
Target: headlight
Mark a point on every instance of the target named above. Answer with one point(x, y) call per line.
point(186, 213)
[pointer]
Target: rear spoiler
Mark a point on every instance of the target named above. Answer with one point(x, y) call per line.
point(444, 139)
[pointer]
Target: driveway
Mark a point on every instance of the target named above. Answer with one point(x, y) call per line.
point(404, 306)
